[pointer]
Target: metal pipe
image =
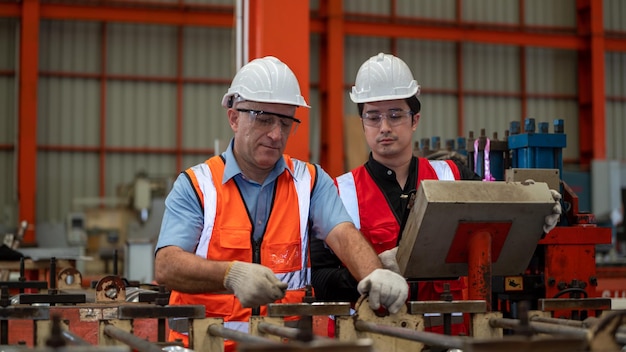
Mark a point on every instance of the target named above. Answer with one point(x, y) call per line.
point(131, 340)
point(285, 331)
point(620, 338)
point(428, 338)
point(218, 330)
point(74, 339)
point(620, 334)
point(545, 328)
point(587, 323)
point(558, 321)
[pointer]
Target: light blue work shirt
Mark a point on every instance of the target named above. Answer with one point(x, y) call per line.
point(183, 219)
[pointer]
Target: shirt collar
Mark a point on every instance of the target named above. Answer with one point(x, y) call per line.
point(382, 172)
point(232, 168)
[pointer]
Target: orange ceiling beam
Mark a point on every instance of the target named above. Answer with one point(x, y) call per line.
point(561, 41)
point(611, 44)
point(168, 16)
point(205, 16)
point(143, 15)
point(457, 34)
point(281, 28)
point(12, 9)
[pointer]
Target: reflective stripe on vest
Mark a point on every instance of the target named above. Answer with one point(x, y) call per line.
point(347, 191)
point(444, 170)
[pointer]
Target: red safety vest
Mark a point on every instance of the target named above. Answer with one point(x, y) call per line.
point(364, 201)
point(227, 234)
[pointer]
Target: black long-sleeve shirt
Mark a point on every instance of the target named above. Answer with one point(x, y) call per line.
point(330, 279)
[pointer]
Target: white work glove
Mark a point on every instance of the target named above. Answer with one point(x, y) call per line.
point(553, 219)
point(253, 284)
point(385, 288)
point(388, 258)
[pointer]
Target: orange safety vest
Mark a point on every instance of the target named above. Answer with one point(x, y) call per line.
point(227, 236)
point(364, 201)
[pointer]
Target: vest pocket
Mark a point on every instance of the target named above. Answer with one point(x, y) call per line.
point(283, 257)
point(235, 238)
point(382, 237)
point(234, 244)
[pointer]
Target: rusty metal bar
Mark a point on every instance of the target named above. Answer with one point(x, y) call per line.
point(131, 340)
point(24, 313)
point(620, 338)
point(552, 304)
point(428, 338)
point(218, 330)
point(568, 327)
point(421, 307)
point(308, 309)
point(589, 322)
point(285, 331)
point(142, 311)
point(559, 321)
point(539, 327)
point(74, 339)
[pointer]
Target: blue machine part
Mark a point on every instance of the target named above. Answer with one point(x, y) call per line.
point(461, 143)
point(534, 150)
point(435, 143)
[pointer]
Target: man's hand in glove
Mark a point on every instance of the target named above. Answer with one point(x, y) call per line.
point(385, 288)
point(388, 258)
point(552, 219)
point(253, 284)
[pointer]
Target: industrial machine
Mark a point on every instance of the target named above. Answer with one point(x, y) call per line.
point(564, 262)
point(67, 317)
point(527, 291)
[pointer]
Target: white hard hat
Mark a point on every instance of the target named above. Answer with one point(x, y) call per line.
point(384, 77)
point(265, 80)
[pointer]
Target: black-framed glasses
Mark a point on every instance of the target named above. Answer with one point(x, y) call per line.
point(394, 117)
point(266, 120)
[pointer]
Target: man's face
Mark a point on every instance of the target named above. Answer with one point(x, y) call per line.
point(389, 127)
point(260, 138)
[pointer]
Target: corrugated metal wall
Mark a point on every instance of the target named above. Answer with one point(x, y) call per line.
point(314, 100)
point(113, 96)
point(614, 15)
point(614, 20)
point(135, 70)
point(8, 117)
point(552, 76)
point(616, 106)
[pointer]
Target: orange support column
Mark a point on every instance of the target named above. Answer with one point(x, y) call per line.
point(479, 267)
point(332, 155)
point(591, 81)
point(281, 28)
point(27, 134)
